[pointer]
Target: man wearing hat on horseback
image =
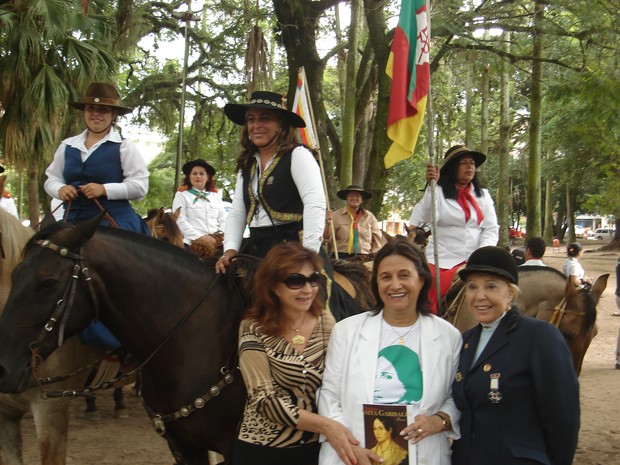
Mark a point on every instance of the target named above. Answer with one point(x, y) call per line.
point(356, 229)
point(99, 169)
point(466, 218)
point(279, 193)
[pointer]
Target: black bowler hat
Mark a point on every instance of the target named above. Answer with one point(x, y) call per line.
point(187, 167)
point(353, 188)
point(493, 260)
point(458, 151)
point(267, 101)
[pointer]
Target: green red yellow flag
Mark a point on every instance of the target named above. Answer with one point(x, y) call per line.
point(409, 68)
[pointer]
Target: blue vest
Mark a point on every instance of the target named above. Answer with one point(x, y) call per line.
point(102, 167)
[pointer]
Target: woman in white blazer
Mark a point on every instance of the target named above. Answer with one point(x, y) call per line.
point(401, 354)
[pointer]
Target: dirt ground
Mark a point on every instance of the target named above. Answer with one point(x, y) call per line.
point(132, 441)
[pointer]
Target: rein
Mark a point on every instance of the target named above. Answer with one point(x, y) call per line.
point(560, 310)
point(63, 309)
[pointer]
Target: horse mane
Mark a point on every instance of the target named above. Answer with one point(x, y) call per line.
point(240, 276)
point(538, 268)
point(14, 236)
point(359, 276)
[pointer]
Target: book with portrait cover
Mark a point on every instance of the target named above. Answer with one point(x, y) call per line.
point(382, 425)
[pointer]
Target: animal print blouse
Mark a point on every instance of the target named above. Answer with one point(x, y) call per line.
point(280, 382)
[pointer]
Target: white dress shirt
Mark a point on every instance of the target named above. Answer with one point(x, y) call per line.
point(456, 239)
point(135, 184)
point(306, 174)
point(199, 217)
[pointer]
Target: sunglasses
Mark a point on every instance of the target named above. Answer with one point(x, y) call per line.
point(298, 280)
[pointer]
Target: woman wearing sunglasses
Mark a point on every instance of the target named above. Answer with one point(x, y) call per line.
point(282, 345)
point(401, 354)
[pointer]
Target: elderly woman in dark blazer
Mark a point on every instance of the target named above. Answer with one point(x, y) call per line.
point(515, 386)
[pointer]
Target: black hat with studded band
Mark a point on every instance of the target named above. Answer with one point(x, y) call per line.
point(266, 101)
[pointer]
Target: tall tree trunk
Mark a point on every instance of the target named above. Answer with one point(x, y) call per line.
point(484, 111)
point(548, 231)
point(348, 117)
point(469, 84)
point(503, 194)
point(377, 177)
point(33, 197)
point(534, 166)
point(570, 214)
point(341, 61)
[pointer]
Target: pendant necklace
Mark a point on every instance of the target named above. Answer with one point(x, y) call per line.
point(401, 337)
point(298, 339)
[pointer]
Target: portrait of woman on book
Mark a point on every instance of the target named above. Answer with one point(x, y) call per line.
point(384, 430)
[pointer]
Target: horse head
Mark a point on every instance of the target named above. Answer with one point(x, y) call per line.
point(164, 226)
point(418, 234)
point(45, 289)
point(577, 319)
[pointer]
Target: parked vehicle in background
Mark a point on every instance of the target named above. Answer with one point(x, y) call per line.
point(601, 234)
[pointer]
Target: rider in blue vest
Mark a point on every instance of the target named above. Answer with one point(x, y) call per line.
point(99, 168)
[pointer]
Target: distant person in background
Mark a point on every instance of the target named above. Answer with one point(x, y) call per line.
point(202, 214)
point(356, 229)
point(534, 250)
point(6, 199)
point(466, 218)
point(572, 268)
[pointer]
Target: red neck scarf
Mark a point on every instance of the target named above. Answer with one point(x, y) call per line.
point(464, 198)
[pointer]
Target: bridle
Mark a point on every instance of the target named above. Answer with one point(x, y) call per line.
point(62, 312)
point(561, 309)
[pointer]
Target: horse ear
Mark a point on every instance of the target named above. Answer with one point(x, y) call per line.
point(176, 214)
point(74, 237)
point(159, 217)
point(48, 219)
point(599, 286)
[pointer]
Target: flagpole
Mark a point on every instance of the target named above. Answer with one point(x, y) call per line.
point(332, 233)
point(431, 160)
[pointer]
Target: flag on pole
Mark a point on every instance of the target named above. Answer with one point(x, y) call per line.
point(409, 68)
point(301, 106)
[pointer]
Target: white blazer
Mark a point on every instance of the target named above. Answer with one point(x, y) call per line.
point(349, 379)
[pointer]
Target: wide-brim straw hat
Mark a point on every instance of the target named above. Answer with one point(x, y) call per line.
point(264, 100)
point(187, 167)
point(102, 93)
point(458, 151)
point(353, 188)
point(493, 260)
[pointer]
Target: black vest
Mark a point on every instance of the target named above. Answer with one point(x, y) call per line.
point(277, 191)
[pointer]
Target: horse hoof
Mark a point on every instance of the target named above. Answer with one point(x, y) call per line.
point(95, 415)
point(121, 413)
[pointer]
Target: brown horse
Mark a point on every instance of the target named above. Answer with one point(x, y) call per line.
point(163, 225)
point(51, 416)
point(546, 294)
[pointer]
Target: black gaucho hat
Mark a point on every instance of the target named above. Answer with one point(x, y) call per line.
point(102, 93)
point(493, 260)
point(353, 188)
point(187, 167)
point(459, 151)
point(267, 101)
